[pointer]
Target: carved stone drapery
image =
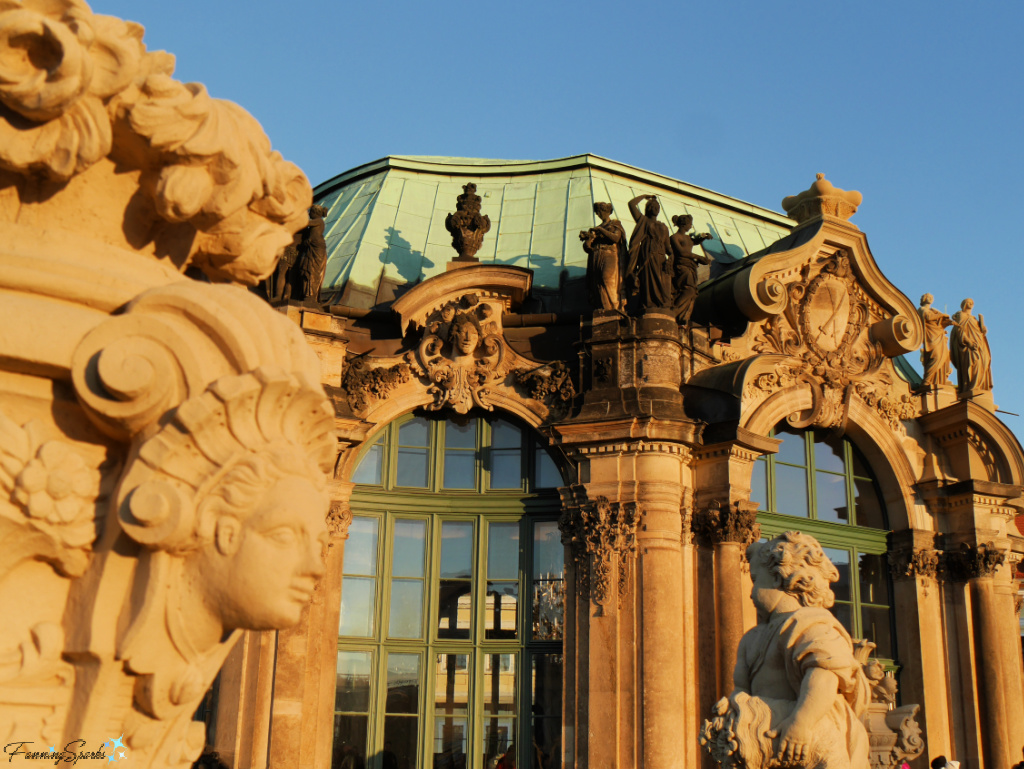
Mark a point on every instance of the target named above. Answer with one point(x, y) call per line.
point(597, 532)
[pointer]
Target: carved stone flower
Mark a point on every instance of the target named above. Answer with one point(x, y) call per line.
point(59, 63)
point(58, 488)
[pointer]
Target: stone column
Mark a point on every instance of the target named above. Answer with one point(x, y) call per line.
point(728, 529)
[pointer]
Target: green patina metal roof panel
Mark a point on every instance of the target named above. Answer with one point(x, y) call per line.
point(385, 222)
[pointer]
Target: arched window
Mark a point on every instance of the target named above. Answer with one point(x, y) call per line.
point(825, 482)
point(450, 639)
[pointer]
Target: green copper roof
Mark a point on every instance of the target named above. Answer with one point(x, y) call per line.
point(385, 221)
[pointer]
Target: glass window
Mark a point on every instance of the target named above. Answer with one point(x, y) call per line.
point(824, 480)
point(449, 591)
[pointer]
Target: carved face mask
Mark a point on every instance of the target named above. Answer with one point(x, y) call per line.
point(466, 337)
point(270, 562)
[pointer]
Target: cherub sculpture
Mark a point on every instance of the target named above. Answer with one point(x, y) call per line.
point(800, 692)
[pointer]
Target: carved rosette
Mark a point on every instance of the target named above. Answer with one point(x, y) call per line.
point(601, 534)
point(828, 330)
point(736, 522)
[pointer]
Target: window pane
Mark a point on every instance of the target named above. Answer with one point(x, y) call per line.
point(450, 742)
point(454, 608)
point(758, 485)
point(499, 691)
point(414, 433)
point(406, 609)
point(546, 474)
point(844, 613)
point(501, 609)
point(791, 490)
point(873, 573)
point(460, 469)
point(361, 547)
point(503, 551)
point(831, 493)
point(456, 549)
point(460, 436)
point(357, 598)
point(792, 448)
point(349, 742)
point(841, 560)
point(451, 704)
point(506, 469)
point(408, 550)
point(869, 507)
point(400, 734)
point(403, 683)
point(860, 465)
point(368, 470)
point(499, 742)
point(546, 708)
point(548, 553)
point(548, 582)
point(828, 452)
point(352, 692)
point(505, 435)
point(412, 468)
point(876, 627)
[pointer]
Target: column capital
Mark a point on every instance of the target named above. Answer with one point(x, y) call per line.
point(729, 522)
point(972, 561)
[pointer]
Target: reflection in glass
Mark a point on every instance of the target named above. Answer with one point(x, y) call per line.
point(828, 453)
point(546, 707)
point(403, 683)
point(357, 598)
point(844, 613)
point(503, 551)
point(457, 549)
point(400, 733)
point(841, 560)
point(831, 498)
point(791, 450)
point(869, 507)
point(349, 741)
point(412, 468)
point(460, 469)
point(415, 432)
point(501, 609)
point(874, 583)
point(499, 692)
point(408, 553)
point(352, 692)
point(759, 484)
point(546, 474)
point(876, 626)
point(454, 608)
point(406, 618)
point(548, 596)
point(361, 547)
point(369, 469)
point(460, 436)
point(451, 704)
point(791, 490)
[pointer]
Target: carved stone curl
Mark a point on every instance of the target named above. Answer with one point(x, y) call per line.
point(339, 518)
point(550, 384)
point(894, 733)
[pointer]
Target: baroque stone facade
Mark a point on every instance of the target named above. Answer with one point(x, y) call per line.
point(185, 465)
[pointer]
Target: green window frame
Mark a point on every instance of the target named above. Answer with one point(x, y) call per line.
point(823, 486)
point(480, 615)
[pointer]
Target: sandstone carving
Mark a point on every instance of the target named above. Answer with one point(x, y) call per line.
point(969, 351)
point(935, 350)
point(800, 692)
point(312, 257)
point(466, 225)
point(648, 282)
point(822, 198)
point(827, 327)
point(551, 384)
point(730, 523)
point(893, 732)
point(684, 266)
point(972, 561)
point(605, 245)
point(162, 439)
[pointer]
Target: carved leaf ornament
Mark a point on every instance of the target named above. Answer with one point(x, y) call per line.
point(825, 329)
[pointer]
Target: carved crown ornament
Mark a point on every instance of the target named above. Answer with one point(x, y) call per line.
point(460, 361)
point(834, 338)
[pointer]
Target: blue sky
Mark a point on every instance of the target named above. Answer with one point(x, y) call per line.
point(917, 105)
